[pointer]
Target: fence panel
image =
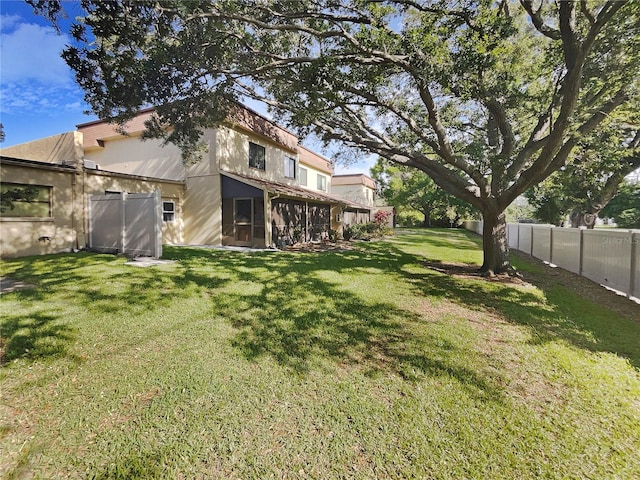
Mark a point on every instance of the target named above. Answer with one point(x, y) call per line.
point(474, 226)
point(512, 235)
point(524, 238)
point(566, 249)
point(142, 225)
point(607, 258)
point(610, 257)
point(126, 223)
point(541, 242)
point(105, 223)
point(635, 263)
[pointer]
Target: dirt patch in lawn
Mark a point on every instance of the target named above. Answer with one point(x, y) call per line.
point(8, 284)
point(339, 246)
point(465, 270)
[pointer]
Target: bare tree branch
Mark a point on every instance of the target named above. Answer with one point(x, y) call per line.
point(538, 22)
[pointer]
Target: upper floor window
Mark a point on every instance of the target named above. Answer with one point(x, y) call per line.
point(289, 167)
point(168, 210)
point(22, 200)
point(302, 173)
point(256, 156)
point(322, 183)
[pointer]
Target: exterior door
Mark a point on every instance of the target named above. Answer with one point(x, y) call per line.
point(243, 221)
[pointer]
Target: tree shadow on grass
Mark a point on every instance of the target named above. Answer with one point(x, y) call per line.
point(287, 311)
point(33, 336)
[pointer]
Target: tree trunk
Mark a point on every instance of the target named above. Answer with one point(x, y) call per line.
point(494, 244)
point(582, 219)
point(427, 217)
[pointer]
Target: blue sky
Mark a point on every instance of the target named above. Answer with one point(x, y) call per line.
point(38, 94)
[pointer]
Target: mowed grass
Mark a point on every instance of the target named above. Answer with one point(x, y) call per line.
point(356, 364)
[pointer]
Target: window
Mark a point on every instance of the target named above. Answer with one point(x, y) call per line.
point(168, 211)
point(302, 173)
point(256, 156)
point(322, 183)
point(290, 167)
point(21, 200)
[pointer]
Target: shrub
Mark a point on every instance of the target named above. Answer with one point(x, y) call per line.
point(347, 233)
point(381, 218)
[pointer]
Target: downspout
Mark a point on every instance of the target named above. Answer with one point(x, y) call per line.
point(268, 232)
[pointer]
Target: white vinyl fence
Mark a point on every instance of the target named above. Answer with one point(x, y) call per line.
point(609, 257)
point(128, 223)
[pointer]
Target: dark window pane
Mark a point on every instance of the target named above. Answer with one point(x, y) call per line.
point(243, 211)
point(256, 156)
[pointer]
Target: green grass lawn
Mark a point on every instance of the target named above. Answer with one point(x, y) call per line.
point(355, 364)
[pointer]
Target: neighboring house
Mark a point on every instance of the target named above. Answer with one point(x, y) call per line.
point(253, 186)
point(360, 189)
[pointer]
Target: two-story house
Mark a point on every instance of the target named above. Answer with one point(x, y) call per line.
point(254, 184)
point(363, 190)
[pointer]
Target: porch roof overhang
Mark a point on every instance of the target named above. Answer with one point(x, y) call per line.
point(290, 191)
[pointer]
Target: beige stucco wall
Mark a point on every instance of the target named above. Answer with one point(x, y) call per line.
point(233, 156)
point(55, 149)
point(312, 179)
point(136, 157)
point(199, 203)
point(203, 210)
point(36, 236)
point(356, 193)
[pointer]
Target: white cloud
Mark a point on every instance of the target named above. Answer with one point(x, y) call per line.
point(37, 98)
point(7, 22)
point(31, 53)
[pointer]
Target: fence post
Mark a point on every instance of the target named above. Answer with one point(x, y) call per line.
point(123, 222)
point(635, 238)
point(90, 213)
point(531, 243)
point(581, 246)
point(518, 245)
point(551, 244)
point(157, 225)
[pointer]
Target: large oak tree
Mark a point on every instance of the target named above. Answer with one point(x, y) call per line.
point(487, 97)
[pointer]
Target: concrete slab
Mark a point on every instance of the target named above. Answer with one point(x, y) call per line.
point(148, 262)
point(8, 284)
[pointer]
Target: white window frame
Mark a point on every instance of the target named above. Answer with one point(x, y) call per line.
point(289, 167)
point(168, 212)
point(302, 176)
point(322, 183)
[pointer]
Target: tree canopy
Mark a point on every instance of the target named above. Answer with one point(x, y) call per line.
point(595, 172)
point(409, 189)
point(486, 97)
point(625, 207)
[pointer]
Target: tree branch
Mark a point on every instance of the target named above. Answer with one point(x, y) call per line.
point(538, 22)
